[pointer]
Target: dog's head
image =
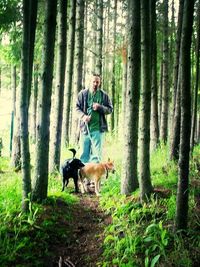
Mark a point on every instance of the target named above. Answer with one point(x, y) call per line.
point(110, 165)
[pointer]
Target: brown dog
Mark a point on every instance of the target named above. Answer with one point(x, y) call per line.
point(95, 171)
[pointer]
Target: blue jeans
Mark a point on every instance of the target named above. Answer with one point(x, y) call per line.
point(91, 147)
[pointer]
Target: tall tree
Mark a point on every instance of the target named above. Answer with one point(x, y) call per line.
point(24, 135)
point(33, 18)
point(129, 175)
point(165, 87)
point(78, 61)
point(175, 113)
point(99, 43)
point(183, 179)
point(42, 145)
point(113, 68)
point(144, 144)
point(69, 72)
point(154, 89)
point(194, 115)
point(59, 90)
point(34, 103)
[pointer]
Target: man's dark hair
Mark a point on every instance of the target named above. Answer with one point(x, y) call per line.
point(95, 74)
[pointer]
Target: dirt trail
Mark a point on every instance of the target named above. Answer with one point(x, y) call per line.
point(86, 234)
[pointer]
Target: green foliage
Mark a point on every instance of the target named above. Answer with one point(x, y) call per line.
point(9, 13)
point(27, 237)
point(143, 235)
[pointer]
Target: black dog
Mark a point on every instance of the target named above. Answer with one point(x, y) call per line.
point(69, 169)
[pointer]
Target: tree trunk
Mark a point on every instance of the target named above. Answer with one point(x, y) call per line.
point(175, 114)
point(154, 89)
point(194, 115)
point(165, 88)
point(144, 167)
point(69, 73)
point(59, 90)
point(34, 105)
point(78, 63)
point(183, 181)
point(24, 134)
point(40, 185)
point(13, 87)
point(129, 175)
point(113, 66)
point(99, 44)
point(33, 19)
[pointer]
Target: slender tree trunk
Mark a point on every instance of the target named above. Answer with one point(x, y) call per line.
point(16, 149)
point(13, 87)
point(160, 95)
point(69, 72)
point(175, 134)
point(85, 52)
point(175, 115)
point(40, 185)
point(165, 92)
point(94, 28)
point(34, 105)
point(194, 115)
point(154, 89)
point(59, 90)
point(78, 63)
point(33, 19)
point(129, 175)
point(24, 134)
point(144, 162)
point(183, 181)
point(99, 43)
point(113, 66)
point(124, 82)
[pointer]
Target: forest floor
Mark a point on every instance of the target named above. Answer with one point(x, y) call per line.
point(85, 233)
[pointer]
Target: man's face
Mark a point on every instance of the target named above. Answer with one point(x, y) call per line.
point(96, 81)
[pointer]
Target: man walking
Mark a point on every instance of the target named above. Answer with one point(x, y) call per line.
point(92, 106)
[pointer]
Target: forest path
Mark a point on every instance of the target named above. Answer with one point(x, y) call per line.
point(85, 233)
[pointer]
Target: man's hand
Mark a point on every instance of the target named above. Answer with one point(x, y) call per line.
point(96, 106)
point(86, 118)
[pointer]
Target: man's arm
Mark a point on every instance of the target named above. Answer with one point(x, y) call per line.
point(80, 110)
point(106, 107)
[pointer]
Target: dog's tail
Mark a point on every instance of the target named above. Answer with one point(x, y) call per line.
point(73, 151)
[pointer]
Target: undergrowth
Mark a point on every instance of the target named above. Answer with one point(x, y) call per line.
point(28, 237)
point(144, 235)
point(139, 235)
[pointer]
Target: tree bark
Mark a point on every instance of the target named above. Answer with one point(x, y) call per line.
point(144, 145)
point(183, 180)
point(78, 63)
point(175, 114)
point(59, 90)
point(40, 184)
point(129, 175)
point(113, 83)
point(165, 88)
point(99, 43)
point(69, 73)
point(24, 134)
point(154, 89)
point(194, 115)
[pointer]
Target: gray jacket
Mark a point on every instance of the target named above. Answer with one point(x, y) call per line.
point(82, 105)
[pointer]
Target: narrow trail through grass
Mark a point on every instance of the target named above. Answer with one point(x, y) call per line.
point(83, 245)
